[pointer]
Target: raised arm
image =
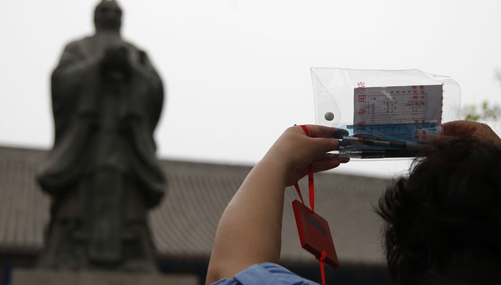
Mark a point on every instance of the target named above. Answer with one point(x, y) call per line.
point(249, 231)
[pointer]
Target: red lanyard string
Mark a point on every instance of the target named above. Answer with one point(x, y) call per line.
point(311, 187)
point(322, 269)
point(299, 192)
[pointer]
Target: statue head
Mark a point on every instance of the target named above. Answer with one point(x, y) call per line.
point(108, 16)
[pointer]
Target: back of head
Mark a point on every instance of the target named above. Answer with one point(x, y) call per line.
point(443, 222)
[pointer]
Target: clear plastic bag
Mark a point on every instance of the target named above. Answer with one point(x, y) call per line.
point(384, 113)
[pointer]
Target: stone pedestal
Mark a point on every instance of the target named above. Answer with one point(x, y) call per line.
point(51, 277)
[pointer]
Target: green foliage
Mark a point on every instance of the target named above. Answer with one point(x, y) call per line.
point(484, 112)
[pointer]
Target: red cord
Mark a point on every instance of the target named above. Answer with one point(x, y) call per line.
point(299, 192)
point(311, 184)
point(306, 130)
point(322, 269)
point(312, 188)
point(312, 203)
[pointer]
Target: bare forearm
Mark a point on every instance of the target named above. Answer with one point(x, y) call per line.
point(250, 229)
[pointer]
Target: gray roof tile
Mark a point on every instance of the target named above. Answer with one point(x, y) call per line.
point(185, 222)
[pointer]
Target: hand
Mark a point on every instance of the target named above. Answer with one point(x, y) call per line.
point(468, 129)
point(297, 151)
point(250, 228)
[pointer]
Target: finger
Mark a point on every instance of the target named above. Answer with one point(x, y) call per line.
point(319, 166)
point(324, 165)
point(321, 138)
point(332, 156)
point(324, 145)
point(327, 156)
point(343, 159)
point(318, 131)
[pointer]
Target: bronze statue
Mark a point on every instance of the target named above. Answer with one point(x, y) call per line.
point(102, 173)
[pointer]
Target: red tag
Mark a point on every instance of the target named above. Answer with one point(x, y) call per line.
point(314, 233)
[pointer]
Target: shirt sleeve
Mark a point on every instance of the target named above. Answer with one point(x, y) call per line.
point(265, 274)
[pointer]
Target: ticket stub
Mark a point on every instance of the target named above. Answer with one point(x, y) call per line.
point(398, 105)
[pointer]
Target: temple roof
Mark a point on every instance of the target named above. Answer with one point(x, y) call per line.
point(185, 222)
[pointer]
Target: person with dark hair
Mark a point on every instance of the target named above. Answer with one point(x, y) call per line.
point(442, 222)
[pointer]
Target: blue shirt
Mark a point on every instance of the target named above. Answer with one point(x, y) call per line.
point(265, 274)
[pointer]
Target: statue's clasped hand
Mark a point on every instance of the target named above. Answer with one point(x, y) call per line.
point(116, 59)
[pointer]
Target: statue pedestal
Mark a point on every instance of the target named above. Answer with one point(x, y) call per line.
point(53, 277)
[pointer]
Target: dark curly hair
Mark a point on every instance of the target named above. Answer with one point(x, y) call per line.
point(443, 222)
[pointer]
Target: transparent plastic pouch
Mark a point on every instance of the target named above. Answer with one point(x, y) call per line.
point(384, 113)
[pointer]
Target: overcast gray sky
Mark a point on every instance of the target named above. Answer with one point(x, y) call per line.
point(237, 73)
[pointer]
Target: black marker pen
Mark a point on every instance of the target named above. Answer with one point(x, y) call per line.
point(408, 145)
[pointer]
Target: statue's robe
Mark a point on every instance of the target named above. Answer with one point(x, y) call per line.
point(102, 172)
